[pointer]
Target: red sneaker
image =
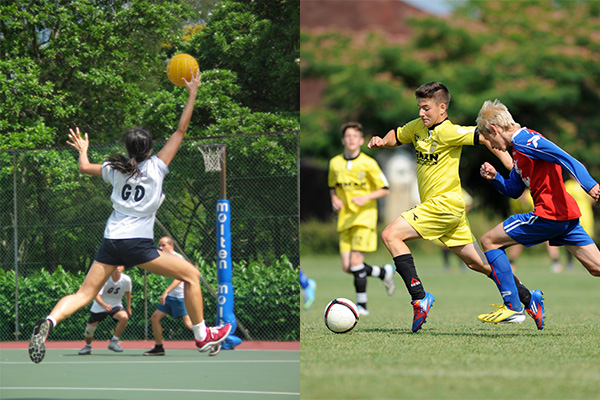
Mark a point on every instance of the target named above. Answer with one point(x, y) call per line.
point(214, 335)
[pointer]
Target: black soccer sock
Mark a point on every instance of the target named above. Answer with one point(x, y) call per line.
point(524, 293)
point(405, 266)
point(370, 271)
point(360, 284)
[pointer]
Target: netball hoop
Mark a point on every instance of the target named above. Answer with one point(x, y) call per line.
point(215, 160)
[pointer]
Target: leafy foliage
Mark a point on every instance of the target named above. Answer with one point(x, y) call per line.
point(273, 286)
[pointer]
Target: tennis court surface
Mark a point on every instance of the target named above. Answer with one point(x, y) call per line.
point(254, 370)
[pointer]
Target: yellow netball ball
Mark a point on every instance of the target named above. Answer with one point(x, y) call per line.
point(179, 67)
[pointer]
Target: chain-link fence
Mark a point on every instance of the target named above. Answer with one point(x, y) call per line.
point(52, 220)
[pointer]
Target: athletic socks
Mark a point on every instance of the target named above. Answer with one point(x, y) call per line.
point(374, 270)
point(524, 293)
point(405, 266)
point(360, 284)
point(199, 331)
point(502, 275)
point(52, 321)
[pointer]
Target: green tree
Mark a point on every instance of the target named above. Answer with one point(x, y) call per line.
point(83, 62)
point(259, 41)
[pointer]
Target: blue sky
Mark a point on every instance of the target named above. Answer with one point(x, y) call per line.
point(438, 7)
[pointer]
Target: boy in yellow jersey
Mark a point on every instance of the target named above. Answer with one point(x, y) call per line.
point(356, 182)
point(441, 213)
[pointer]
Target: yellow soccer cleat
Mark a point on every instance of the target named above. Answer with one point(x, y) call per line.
point(503, 315)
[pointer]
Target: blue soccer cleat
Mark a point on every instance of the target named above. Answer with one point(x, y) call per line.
point(421, 309)
point(536, 308)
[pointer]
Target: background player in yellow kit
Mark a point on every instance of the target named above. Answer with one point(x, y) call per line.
point(356, 182)
point(441, 214)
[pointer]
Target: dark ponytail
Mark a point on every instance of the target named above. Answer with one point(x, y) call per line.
point(138, 142)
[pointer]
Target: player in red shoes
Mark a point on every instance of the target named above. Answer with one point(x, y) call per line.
point(129, 234)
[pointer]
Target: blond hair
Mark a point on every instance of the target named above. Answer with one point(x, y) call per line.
point(494, 113)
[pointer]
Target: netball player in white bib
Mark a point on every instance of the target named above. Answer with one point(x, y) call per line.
point(109, 303)
point(129, 233)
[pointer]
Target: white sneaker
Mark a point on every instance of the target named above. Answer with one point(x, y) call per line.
point(388, 280)
point(86, 350)
point(114, 346)
point(557, 267)
point(362, 310)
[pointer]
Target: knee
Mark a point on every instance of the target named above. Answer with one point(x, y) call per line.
point(487, 242)
point(155, 318)
point(190, 275)
point(387, 236)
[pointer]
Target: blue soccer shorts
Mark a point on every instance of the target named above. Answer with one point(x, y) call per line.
point(528, 229)
point(174, 306)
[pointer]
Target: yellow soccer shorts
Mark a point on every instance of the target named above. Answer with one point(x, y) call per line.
point(358, 238)
point(443, 218)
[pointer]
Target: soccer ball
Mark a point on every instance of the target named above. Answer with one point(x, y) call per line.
point(341, 315)
point(179, 67)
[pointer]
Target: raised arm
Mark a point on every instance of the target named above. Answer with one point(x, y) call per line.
point(81, 144)
point(389, 140)
point(168, 152)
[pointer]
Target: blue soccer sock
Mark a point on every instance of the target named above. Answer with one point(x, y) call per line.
point(502, 275)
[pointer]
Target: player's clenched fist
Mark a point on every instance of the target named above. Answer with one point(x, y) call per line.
point(375, 142)
point(487, 171)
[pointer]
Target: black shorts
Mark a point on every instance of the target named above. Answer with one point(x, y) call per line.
point(97, 317)
point(127, 252)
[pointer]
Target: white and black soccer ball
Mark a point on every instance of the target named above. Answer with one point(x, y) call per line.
point(341, 315)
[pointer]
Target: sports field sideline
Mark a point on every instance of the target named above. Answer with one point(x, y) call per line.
point(254, 370)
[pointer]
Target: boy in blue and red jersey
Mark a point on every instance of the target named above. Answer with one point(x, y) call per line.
point(537, 164)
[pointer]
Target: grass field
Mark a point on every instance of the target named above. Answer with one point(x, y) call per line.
point(454, 356)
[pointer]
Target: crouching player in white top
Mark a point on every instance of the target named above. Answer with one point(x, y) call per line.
point(128, 237)
point(109, 302)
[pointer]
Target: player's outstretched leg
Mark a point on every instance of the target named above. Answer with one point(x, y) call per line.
point(214, 335)
point(421, 309)
point(37, 343)
point(536, 308)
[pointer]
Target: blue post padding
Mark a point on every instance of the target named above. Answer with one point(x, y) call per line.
point(231, 342)
point(225, 295)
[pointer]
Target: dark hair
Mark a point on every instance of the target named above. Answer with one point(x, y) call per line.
point(355, 125)
point(434, 90)
point(139, 144)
